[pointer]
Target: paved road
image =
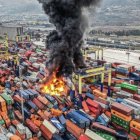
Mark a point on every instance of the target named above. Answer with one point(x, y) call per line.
point(112, 55)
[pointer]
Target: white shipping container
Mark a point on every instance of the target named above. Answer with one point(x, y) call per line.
point(93, 135)
point(28, 133)
point(21, 129)
point(52, 128)
point(3, 137)
point(9, 135)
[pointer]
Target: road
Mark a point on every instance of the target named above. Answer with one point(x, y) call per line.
point(112, 55)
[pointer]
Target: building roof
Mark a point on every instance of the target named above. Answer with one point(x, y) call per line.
point(11, 26)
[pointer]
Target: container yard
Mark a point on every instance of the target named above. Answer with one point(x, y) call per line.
point(100, 102)
point(55, 86)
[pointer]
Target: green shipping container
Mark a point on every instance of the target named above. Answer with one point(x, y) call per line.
point(2, 122)
point(120, 122)
point(50, 105)
point(106, 136)
point(118, 85)
point(7, 98)
point(134, 135)
point(138, 91)
point(129, 86)
point(11, 115)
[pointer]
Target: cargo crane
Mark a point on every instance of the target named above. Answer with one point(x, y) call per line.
point(95, 50)
point(23, 38)
point(4, 54)
point(86, 73)
point(4, 51)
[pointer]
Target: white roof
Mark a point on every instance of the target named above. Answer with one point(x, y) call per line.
point(39, 43)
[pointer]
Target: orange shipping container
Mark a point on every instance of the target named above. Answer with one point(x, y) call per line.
point(56, 112)
point(85, 107)
point(15, 137)
point(122, 116)
point(37, 122)
point(46, 132)
point(74, 128)
point(108, 114)
point(4, 115)
point(97, 93)
point(4, 109)
point(43, 100)
point(2, 102)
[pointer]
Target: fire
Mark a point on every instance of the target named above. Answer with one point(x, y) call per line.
point(56, 86)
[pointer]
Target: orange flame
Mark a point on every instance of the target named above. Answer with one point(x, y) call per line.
point(56, 86)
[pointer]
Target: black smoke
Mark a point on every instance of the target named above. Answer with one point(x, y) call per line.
point(66, 41)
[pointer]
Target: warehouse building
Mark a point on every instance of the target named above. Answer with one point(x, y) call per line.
point(11, 30)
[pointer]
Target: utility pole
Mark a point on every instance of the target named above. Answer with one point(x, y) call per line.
point(128, 53)
point(21, 88)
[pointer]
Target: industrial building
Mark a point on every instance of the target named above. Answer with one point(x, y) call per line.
point(11, 30)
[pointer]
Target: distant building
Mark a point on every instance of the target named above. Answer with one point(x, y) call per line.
point(11, 30)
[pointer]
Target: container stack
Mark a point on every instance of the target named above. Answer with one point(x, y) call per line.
point(135, 128)
point(28, 114)
point(121, 115)
point(122, 71)
point(126, 90)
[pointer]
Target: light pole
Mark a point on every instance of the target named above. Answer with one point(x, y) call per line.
point(21, 88)
point(128, 53)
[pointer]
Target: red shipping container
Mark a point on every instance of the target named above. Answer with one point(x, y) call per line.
point(136, 97)
point(101, 100)
point(35, 138)
point(31, 68)
point(73, 132)
point(84, 137)
point(47, 114)
point(92, 103)
point(43, 100)
point(74, 129)
point(85, 107)
point(21, 136)
point(68, 102)
point(32, 126)
point(17, 98)
point(7, 122)
point(93, 115)
point(15, 122)
point(41, 114)
point(135, 131)
point(94, 110)
point(58, 100)
point(46, 132)
point(18, 115)
point(38, 103)
point(132, 137)
point(44, 135)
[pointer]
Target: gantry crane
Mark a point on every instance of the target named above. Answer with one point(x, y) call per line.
point(5, 54)
point(95, 50)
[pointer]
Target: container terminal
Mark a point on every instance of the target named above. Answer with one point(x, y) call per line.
point(99, 101)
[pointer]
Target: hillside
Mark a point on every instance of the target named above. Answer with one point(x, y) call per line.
point(111, 12)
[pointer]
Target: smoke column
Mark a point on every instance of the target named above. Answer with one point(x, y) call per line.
point(66, 41)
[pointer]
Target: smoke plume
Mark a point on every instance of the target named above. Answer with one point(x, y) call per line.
point(66, 41)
